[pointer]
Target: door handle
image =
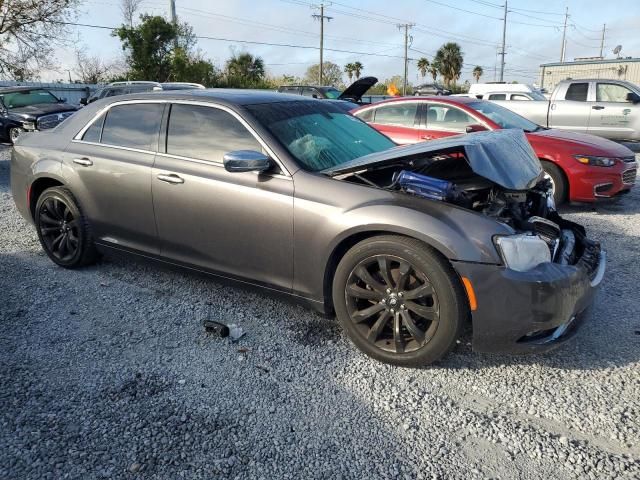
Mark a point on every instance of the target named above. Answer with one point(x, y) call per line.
point(170, 178)
point(598, 107)
point(85, 162)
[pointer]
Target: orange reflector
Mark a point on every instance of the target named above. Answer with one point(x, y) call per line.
point(473, 304)
point(583, 160)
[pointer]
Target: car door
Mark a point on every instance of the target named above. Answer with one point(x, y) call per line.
point(612, 115)
point(398, 120)
point(238, 224)
point(572, 112)
point(108, 168)
point(444, 120)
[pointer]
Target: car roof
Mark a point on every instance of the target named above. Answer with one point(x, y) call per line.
point(229, 96)
point(439, 99)
point(19, 89)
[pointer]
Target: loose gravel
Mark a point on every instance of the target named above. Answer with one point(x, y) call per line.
point(106, 372)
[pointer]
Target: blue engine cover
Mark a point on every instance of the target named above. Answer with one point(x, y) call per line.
point(424, 186)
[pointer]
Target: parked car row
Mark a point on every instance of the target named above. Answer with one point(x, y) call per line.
point(405, 244)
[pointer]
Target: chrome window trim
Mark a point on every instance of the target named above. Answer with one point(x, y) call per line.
point(78, 137)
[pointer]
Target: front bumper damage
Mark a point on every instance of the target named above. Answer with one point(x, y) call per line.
point(533, 311)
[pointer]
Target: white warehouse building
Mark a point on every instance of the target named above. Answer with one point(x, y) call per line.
point(615, 69)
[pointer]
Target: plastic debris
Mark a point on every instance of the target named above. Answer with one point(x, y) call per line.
point(235, 332)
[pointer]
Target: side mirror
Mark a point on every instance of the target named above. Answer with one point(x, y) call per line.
point(63, 100)
point(476, 127)
point(633, 97)
point(246, 161)
point(84, 101)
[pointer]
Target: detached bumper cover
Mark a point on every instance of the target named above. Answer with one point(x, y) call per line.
point(534, 311)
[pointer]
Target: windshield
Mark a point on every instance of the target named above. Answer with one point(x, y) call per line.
point(537, 96)
point(27, 97)
point(503, 116)
point(319, 135)
point(332, 93)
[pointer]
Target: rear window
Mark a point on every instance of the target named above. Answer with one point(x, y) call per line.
point(133, 126)
point(577, 92)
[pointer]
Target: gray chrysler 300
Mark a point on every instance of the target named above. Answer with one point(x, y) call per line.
point(404, 244)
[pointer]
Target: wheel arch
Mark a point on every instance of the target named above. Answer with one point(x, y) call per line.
point(36, 188)
point(346, 243)
point(562, 171)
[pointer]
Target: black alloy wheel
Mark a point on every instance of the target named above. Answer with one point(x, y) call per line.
point(399, 300)
point(63, 230)
point(392, 303)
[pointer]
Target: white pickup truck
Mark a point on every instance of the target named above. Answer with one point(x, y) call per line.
point(607, 108)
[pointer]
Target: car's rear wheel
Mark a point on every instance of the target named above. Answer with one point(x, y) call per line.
point(63, 230)
point(399, 301)
point(14, 134)
point(558, 182)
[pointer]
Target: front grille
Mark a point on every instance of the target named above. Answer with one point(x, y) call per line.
point(629, 176)
point(49, 121)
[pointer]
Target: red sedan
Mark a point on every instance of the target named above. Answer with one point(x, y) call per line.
point(583, 168)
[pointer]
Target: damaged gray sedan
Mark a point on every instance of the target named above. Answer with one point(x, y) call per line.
point(403, 244)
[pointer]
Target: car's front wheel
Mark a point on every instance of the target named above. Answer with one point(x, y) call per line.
point(14, 134)
point(399, 301)
point(63, 230)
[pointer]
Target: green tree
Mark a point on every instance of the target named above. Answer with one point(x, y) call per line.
point(331, 74)
point(245, 69)
point(423, 66)
point(357, 69)
point(450, 60)
point(149, 47)
point(349, 68)
point(477, 73)
point(434, 69)
point(193, 68)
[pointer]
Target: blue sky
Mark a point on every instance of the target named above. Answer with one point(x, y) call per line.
point(533, 31)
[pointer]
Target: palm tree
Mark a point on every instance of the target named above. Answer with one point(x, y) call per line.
point(477, 73)
point(357, 69)
point(246, 67)
point(434, 69)
point(423, 66)
point(449, 57)
point(349, 68)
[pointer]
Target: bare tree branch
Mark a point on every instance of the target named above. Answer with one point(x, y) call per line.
point(129, 9)
point(29, 31)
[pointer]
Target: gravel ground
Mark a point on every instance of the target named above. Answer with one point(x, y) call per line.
point(106, 372)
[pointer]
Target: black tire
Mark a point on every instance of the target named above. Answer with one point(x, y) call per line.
point(398, 341)
point(13, 134)
point(63, 230)
point(560, 186)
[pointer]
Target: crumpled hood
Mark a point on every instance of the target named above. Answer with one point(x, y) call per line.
point(503, 156)
point(40, 109)
point(591, 145)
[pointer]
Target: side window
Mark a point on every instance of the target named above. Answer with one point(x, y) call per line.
point(611, 92)
point(133, 125)
point(112, 92)
point(445, 117)
point(577, 92)
point(367, 115)
point(292, 90)
point(206, 133)
point(403, 114)
point(519, 96)
point(92, 134)
point(497, 96)
point(310, 92)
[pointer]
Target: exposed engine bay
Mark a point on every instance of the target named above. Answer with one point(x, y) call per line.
point(447, 176)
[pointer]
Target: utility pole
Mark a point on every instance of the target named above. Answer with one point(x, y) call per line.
point(504, 41)
point(563, 49)
point(604, 29)
point(174, 21)
point(406, 27)
point(322, 17)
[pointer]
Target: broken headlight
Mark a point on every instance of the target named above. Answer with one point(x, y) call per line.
point(595, 161)
point(523, 252)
